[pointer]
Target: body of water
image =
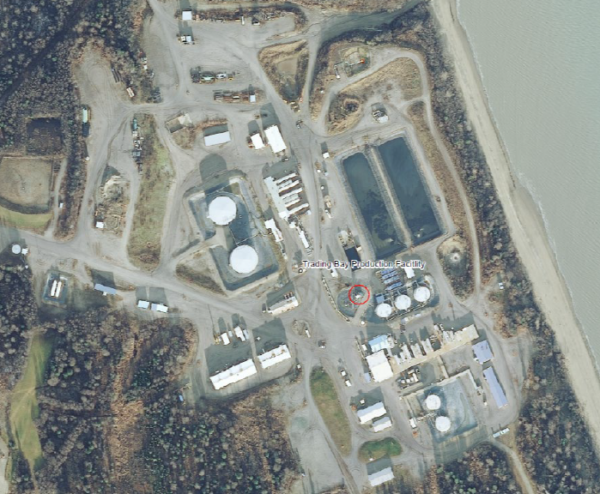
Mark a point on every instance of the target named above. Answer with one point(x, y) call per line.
point(410, 190)
point(384, 237)
point(540, 63)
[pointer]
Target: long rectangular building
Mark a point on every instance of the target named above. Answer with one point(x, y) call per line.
point(274, 356)
point(495, 387)
point(234, 374)
point(378, 478)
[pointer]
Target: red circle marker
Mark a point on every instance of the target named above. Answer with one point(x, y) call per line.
point(350, 294)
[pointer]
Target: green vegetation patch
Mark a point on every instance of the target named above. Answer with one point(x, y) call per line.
point(146, 232)
point(328, 403)
point(24, 408)
point(34, 222)
point(374, 450)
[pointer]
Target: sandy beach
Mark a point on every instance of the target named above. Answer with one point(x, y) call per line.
point(525, 223)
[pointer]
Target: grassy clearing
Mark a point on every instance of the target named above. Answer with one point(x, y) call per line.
point(326, 398)
point(146, 231)
point(374, 450)
point(34, 222)
point(24, 408)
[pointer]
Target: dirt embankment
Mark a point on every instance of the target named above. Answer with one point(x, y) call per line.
point(402, 75)
point(286, 65)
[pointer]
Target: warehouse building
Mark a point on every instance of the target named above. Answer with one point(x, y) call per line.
point(274, 356)
point(374, 411)
point(495, 387)
point(234, 374)
point(483, 352)
point(382, 424)
point(275, 139)
point(216, 139)
point(106, 290)
point(378, 478)
point(379, 366)
point(381, 342)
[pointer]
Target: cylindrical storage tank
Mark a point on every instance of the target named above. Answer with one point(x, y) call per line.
point(383, 310)
point(422, 294)
point(433, 402)
point(402, 302)
point(222, 210)
point(442, 424)
point(243, 259)
point(16, 249)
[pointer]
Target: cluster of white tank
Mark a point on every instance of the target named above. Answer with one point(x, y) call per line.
point(222, 210)
point(432, 404)
point(403, 302)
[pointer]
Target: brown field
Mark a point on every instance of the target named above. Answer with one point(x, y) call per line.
point(286, 67)
point(346, 109)
point(26, 183)
point(44, 136)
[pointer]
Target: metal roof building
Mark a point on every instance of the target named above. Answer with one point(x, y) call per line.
point(374, 411)
point(143, 304)
point(216, 139)
point(379, 366)
point(378, 478)
point(382, 424)
point(234, 374)
point(274, 356)
point(257, 141)
point(106, 290)
point(483, 352)
point(159, 308)
point(275, 139)
point(186, 15)
point(495, 387)
point(381, 342)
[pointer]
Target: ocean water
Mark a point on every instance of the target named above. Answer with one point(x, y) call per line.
point(540, 63)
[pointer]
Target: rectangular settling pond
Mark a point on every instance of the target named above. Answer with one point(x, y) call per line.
point(410, 190)
point(384, 236)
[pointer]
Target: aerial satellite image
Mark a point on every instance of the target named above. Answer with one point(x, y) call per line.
point(299, 247)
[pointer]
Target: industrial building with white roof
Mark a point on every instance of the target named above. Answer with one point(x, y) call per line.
point(234, 374)
point(379, 366)
point(274, 356)
point(374, 411)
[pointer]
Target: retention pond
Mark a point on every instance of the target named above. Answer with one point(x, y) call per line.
point(410, 190)
point(386, 240)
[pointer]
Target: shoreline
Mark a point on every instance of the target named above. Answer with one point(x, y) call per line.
point(525, 222)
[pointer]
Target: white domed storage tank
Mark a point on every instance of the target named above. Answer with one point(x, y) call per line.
point(222, 210)
point(243, 259)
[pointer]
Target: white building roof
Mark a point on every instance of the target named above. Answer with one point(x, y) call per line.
point(105, 289)
point(243, 259)
point(483, 352)
point(234, 374)
point(410, 272)
point(381, 342)
point(186, 15)
point(143, 304)
point(495, 387)
point(284, 305)
point(257, 141)
point(222, 210)
point(367, 414)
point(379, 366)
point(270, 225)
point(159, 308)
point(215, 139)
point(275, 139)
point(274, 356)
point(382, 424)
point(378, 478)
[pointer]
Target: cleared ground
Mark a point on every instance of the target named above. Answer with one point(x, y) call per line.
point(146, 232)
point(199, 277)
point(44, 136)
point(26, 182)
point(328, 403)
point(374, 450)
point(346, 108)
point(24, 408)
point(286, 67)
